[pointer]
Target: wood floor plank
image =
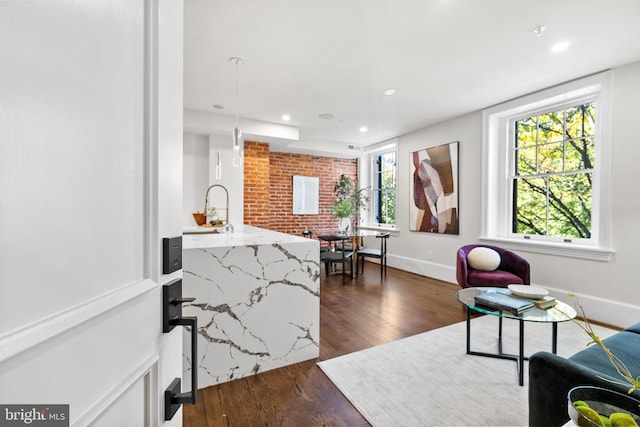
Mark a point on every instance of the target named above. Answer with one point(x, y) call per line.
point(361, 314)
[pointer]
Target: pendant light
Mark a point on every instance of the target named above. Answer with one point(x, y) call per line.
point(219, 166)
point(236, 155)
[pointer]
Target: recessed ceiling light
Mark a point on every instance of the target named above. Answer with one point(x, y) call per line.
point(286, 117)
point(363, 129)
point(326, 116)
point(538, 30)
point(560, 47)
point(218, 107)
point(389, 92)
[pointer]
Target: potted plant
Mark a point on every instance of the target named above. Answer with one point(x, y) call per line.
point(343, 210)
point(350, 199)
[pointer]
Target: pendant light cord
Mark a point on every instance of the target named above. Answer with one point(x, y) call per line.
point(236, 60)
point(237, 84)
point(237, 148)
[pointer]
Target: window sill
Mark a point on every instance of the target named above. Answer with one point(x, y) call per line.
point(574, 251)
point(392, 230)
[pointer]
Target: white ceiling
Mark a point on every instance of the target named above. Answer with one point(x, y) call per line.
point(444, 58)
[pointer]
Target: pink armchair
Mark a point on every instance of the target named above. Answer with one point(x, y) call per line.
point(512, 269)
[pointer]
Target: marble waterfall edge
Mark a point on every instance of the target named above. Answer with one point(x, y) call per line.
point(258, 307)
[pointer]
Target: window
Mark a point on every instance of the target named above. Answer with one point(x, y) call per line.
point(546, 170)
point(554, 163)
point(383, 188)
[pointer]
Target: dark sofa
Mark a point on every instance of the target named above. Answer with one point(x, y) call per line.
point(551, 376)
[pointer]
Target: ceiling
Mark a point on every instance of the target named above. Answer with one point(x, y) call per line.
point(444, 58)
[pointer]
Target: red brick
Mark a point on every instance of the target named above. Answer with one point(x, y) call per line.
point(268, 188)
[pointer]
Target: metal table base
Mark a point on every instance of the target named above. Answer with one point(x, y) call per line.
point(519, 358)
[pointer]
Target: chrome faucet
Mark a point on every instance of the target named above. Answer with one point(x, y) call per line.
point(206, 201)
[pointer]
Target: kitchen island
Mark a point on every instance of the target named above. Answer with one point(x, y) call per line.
point(257, 301)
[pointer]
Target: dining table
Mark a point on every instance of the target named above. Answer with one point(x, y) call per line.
point(353, 237)
point(356, 237)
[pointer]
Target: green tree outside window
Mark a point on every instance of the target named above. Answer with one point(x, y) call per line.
point(554, 162)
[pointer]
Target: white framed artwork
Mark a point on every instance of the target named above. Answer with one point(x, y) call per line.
point(306, 193)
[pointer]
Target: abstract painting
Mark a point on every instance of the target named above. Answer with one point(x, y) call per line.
point(434, 202)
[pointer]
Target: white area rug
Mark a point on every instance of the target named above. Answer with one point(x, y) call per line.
point(429, 380)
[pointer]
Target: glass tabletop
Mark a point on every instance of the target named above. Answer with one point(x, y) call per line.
point(560, 313)
point(351, 234)
point(366, 233)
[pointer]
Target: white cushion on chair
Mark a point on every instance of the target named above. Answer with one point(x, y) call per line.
point(482, 258)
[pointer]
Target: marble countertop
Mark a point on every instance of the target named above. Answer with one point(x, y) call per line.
point(243, 235)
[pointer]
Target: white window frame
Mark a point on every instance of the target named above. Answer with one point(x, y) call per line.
point(498, 162)
point(372, 153)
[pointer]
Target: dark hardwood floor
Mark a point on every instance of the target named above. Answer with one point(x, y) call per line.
point(362, 314)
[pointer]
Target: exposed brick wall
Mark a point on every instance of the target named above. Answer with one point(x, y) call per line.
point(268, 188)
point(256, 184)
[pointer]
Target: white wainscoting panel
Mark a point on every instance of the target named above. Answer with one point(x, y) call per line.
point(100, 376)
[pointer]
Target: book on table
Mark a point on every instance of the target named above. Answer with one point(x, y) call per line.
point(499, 301)
point(543, 303)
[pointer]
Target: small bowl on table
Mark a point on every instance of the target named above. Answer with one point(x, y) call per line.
point(200, 218)
point(602, 404)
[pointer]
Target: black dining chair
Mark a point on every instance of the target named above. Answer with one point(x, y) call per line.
point(380, 254)
point(306, 233)
point(338, 255)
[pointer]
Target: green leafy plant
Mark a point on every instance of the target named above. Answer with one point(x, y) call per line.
point(343, 209)
point(350, 198)
point(621, 368)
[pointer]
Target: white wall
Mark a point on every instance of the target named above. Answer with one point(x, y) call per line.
point(195, 175)
point(609, 291)
point(433, 254)
point(232, 178)
point(199, 152)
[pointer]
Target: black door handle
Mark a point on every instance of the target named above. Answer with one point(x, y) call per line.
point(172, 301)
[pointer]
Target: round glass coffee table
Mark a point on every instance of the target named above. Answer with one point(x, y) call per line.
point(562, 312)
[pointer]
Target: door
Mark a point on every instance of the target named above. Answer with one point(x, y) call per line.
point(90, 182)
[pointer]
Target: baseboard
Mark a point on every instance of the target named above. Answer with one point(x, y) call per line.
point(423, 268)
point(615, 313)
point(612, 313)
